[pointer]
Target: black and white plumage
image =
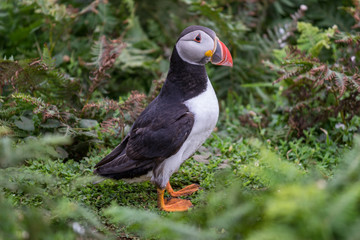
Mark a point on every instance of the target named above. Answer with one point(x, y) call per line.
point(175, 124)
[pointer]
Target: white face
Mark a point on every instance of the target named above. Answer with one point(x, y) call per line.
point(193, 46)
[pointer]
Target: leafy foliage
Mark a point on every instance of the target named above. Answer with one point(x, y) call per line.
point(86, 69)
point(39, 99)
point(316, 90)
point(57, 218)
point(234, 211)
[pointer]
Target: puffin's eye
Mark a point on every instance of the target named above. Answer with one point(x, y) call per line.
point(198, 38)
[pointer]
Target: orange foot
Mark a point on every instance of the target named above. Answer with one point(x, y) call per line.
point(172, 205)
point(183, 192)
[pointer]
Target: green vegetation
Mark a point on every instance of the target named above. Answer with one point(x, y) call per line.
point(283, 162)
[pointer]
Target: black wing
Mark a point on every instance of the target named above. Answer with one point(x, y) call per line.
point(159, 132)
point(114, 153)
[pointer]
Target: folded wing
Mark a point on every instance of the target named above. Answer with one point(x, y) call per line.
point(155, 136)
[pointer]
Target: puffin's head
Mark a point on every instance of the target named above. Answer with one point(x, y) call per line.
point(199, 45)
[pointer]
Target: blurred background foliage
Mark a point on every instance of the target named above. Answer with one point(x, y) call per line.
point(282, 163)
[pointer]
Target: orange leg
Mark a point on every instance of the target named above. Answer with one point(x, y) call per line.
point(174, 204)
point(183, 192)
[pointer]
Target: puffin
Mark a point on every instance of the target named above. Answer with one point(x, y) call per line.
point(176, 123)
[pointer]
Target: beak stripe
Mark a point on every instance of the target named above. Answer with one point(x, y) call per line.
point(222, 55)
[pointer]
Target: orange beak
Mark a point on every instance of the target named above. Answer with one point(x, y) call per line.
point(221, 55)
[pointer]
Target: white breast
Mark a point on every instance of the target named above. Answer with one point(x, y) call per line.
point(205, 108)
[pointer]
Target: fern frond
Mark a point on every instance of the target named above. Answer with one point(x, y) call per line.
point(105, 52)
point(329, 75)
point(347, 38)
point(354, 12)
point(104, 104)
point(287, 75)
point(312, 39)
point(112, 126)
point(35, 78)
point(355, 80)
point(281, 33)
point(341, 81)
point(39, 106)
point(8, 112)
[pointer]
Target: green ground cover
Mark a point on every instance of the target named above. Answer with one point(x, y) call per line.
point(283, 162)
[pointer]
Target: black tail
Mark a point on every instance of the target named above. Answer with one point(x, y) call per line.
point(124, 167)
point(119, 150)
point(117, 165)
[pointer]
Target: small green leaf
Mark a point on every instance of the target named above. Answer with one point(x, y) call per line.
point(51, 123)
point(25, 124)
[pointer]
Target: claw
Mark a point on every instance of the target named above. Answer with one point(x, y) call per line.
point(172, 205)
point(176, 204)
point(188, 190)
